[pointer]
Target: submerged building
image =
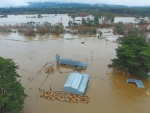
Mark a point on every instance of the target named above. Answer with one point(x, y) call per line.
point(70, 62)
point(76, 83)
point(138, 83)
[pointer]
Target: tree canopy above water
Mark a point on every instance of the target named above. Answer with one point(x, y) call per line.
point(133, 55)
point(11, 91)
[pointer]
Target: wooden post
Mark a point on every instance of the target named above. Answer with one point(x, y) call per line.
point(92, 55)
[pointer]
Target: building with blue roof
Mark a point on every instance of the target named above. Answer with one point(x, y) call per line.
point(70, 62)
point(138, 83)
point(76, 83)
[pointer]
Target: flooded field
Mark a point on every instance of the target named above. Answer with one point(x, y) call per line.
point(108, 90)
point(52, 18)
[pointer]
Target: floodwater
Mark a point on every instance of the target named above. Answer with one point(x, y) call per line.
point(126, 19)
point(52, 18)
point(108, 90)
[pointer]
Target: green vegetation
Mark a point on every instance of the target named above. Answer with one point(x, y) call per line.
point(33, 28)
point(73, 16)
point(70, 38)
point(39, 16)
point(11, 91)
point(88, 25)
point(119, 28)
point(127, 29)
point(134, 56)
point(124, 11)
point(104, 16)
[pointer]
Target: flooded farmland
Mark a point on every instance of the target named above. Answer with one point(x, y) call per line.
point(108, 90)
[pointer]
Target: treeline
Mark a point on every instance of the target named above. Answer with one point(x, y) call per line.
point(134, 11)
point(32, 28)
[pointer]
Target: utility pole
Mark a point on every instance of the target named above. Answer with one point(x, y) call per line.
point(92, 55)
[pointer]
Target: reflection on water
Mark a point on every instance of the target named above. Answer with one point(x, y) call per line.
point(108, 90)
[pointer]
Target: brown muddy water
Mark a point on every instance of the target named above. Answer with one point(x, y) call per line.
point(108, 90)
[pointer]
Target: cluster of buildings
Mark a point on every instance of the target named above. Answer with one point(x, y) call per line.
point(76, 82)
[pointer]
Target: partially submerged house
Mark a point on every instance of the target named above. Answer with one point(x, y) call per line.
point(76, 83)
point(138, 83)
point(3, 16)
point(70, 62)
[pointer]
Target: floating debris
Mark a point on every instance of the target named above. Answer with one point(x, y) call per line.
point(148, 93)
point(49, 70)
point(29, 78)
point(82, 42)
point(50, 88)
point(29, 89)
point(64, 96)
point(109, 65)
point(77, 68)
point(43, 67)
point(123, 72)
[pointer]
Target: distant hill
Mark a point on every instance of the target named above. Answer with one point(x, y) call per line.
point(70, 5)
point(62, 4)
point(59, 4)
point(75, 8)
point(55, 4)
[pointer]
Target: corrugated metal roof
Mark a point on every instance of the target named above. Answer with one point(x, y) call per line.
point(76, 83)
point(71, 62)
point(137, 82)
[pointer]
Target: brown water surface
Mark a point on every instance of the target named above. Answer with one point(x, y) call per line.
point(108, 90)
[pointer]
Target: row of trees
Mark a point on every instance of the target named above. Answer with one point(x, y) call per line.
point(134, 11)
point(140, 29)
point(31, 28)
point(104, 16)
point(89, 25)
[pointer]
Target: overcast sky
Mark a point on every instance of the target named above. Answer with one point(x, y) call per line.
point(7, 3)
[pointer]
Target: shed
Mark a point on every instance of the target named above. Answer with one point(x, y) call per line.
point(76, 83)
point(139, 83)
point(70, 62)
point(67, 61)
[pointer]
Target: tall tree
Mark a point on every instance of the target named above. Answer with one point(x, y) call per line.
point(134, 55)
point(11, 91)
point(70, 23)
point(83, 21)
point(73, 16)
